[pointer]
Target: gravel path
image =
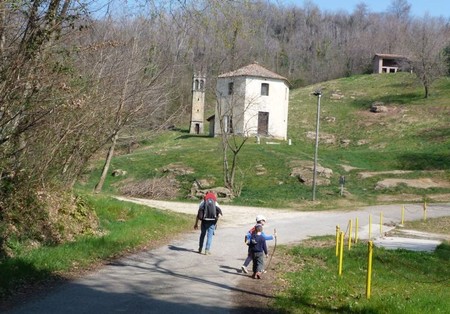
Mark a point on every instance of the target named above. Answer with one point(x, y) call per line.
point(174, 278)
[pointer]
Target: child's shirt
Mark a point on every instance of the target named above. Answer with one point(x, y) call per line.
point(258, 244)
point(252, 230)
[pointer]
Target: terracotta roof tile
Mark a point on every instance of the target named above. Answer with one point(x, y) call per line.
point(254, 69)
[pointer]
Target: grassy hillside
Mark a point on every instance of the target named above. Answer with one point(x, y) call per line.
point(413, 136)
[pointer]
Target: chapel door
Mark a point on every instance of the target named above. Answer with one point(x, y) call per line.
point(263, 123)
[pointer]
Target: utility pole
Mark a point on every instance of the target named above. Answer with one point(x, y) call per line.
point(317, 93)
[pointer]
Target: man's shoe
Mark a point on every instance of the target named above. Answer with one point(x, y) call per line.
point(200, 250)
point(258, 275)
point(244, 269)
point(207, 252)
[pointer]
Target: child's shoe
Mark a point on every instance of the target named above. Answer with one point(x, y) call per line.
point(258, 275)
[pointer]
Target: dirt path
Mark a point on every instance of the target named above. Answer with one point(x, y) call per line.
point(174, 278)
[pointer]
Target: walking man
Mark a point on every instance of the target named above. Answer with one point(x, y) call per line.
point(208, 214)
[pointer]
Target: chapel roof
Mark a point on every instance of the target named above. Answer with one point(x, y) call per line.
point(254, 69)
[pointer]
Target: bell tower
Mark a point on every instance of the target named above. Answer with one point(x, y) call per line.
point(198, 104)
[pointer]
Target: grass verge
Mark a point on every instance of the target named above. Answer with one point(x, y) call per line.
point(402, 281)
point(125, 228)
point(433, 225)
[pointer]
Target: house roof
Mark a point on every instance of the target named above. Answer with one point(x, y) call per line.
point(256, 70)
point(389, 56)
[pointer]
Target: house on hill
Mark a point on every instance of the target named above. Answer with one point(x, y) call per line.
point(390, 63)
point(252, 101)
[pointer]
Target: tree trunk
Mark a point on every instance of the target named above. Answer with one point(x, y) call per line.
point(99, 186)
point(226, 180)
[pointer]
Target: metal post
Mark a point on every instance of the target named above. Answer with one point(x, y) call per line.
point(338, 230)
point(350, 234)
point(369, 269)
point(341, 252)
point(318, 94)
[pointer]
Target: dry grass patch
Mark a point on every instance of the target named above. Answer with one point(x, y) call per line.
point(413, 198)
point(156, 188)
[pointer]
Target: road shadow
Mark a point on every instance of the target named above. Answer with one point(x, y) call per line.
point(181, 249)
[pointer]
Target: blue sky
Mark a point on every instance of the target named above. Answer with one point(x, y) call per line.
point(418, 7)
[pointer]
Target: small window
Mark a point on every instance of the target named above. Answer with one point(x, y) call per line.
point(230, 88)
point(228, 124)
point(264, 89)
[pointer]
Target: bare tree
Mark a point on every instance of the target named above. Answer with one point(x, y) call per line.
point(400, 9)
point(41, 143)
point(237, 114)
point(428, 39)
point(71, 84)
point(133, 77)
point(232, 140)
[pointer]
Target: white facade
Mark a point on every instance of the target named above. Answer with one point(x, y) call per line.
point(252, 101)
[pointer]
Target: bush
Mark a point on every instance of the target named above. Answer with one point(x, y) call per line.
point(29, 219)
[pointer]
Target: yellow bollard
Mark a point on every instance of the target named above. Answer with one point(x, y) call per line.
point(356, 230)
point(403, 214)
point(370, 226)
point(381, 224)
point(341, 252)
point(369, 269)
point(424, 211)
point(337, 240)
point(350, 234)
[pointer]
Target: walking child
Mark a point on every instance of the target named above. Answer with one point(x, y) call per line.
point(258, 249)
point(260, 219)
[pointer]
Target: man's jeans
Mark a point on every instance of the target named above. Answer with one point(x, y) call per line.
point(207, 228)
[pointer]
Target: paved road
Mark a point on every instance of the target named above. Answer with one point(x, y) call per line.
point(176, 279)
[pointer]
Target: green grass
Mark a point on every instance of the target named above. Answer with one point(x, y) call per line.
point(415, 136)
point(125, 227)
point(402, 281)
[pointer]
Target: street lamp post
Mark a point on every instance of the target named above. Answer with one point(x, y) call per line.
point(318, 94)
